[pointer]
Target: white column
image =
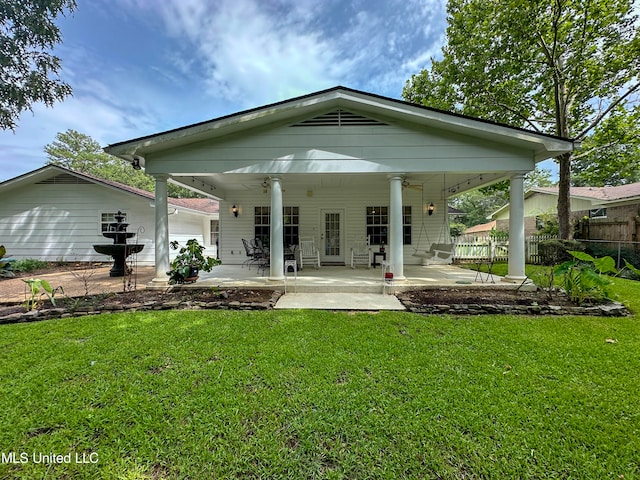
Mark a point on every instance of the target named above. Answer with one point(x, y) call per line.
point(516, 230)
point(276, 247)
point(395, 228)
point(162, 231)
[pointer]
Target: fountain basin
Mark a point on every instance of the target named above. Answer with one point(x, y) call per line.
point(119, 236)
point(119, 252)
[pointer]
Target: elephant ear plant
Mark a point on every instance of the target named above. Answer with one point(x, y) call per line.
point(5, 265)
point(584, 279)
point(39, 288)
point(189, 261)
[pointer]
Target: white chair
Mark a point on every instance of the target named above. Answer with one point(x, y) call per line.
point(293, 264)
point(387, 278)
point(309, 254)
point(361, 253)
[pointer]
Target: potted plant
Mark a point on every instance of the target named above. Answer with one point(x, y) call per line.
point(189, 261)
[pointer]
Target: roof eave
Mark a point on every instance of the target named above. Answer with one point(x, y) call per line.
point(547, 146)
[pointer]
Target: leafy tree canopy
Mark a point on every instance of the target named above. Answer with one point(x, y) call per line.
point(80, 152)
point(554, 66)
point(28, 71)
point(479, 204)
point(611, 156)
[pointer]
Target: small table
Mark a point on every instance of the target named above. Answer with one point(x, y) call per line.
point(378, 254)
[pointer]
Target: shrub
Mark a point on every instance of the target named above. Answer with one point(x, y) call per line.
point(6, 267)
point(553, 252)
point(29, 265)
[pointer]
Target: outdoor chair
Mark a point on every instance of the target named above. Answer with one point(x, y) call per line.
point(309, 254)
point(262, 253)
point(252, 253)
point(361, 253)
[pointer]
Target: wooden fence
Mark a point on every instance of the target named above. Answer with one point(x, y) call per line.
point(614, 230)
point(471, 247)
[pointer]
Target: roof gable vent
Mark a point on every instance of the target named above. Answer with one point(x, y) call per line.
point(64, 179)
point(338, 118)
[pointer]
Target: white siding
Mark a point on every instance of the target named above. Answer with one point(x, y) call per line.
point(62, 222)
point(363, 149)
point(539, 204)
point(312, 201)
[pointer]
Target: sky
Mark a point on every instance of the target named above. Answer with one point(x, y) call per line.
point(139, 67)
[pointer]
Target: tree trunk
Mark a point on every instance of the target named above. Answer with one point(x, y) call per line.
point(564, 198)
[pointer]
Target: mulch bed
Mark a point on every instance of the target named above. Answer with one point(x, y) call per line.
point(477, 296)
point(147, 299)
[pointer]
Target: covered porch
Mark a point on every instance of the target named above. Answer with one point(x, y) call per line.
point(339, 165)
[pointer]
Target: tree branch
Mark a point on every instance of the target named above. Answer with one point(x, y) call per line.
point(586, 153)
point(603, 114)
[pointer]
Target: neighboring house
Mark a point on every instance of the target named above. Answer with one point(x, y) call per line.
point(53, 213)
point(338, 165)
point(602, 205)
point(481, 230)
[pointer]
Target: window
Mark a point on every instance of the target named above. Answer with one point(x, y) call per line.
point(107, 218)
point(406, 225)
point(262, 224)
point(290, 220)
point(215, 232)
point(598, 213)
point(377, 225)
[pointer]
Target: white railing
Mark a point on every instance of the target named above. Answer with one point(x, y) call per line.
point(471, 247)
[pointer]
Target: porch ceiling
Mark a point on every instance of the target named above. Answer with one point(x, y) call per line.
point(219, 185)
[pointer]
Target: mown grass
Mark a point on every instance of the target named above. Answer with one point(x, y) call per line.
point(311, 394)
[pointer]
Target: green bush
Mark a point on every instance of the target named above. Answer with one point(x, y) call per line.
point(29, 265)
point(6, 269)
point(553, 252)
point(631, 255)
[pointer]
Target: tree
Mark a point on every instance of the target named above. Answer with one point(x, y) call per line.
point(611, 155)
point(554, 66)
point(28, 71)
point(80, 152)
point(478, 205)
point(538, 177)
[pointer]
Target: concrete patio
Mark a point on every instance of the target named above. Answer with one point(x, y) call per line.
point(340, 279)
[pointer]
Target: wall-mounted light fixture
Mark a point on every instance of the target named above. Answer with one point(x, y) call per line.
point(136, 163)
point(431, 208)
point(234, 210)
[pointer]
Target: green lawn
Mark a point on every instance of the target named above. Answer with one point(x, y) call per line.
point(282, 394)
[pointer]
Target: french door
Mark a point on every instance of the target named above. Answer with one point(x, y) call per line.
point(332, 236)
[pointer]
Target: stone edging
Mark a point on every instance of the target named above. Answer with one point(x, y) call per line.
point(613, 309)
point(222, 304)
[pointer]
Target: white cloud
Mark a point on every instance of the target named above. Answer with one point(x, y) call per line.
point(199, 59)
point(250, 55)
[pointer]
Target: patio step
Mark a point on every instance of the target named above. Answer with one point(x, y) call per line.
point(339, 301)
point(336, 289)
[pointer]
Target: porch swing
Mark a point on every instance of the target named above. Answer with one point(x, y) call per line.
point(439, 253)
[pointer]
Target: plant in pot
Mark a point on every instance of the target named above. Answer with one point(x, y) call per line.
point(189, 261)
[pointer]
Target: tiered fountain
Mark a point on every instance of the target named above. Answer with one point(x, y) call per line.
point(120, 249)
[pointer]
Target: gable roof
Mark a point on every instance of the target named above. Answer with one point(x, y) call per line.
point(483, 227)
point(598, 196)
point(604, 194)
point(309, 106)
point(61, 175)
